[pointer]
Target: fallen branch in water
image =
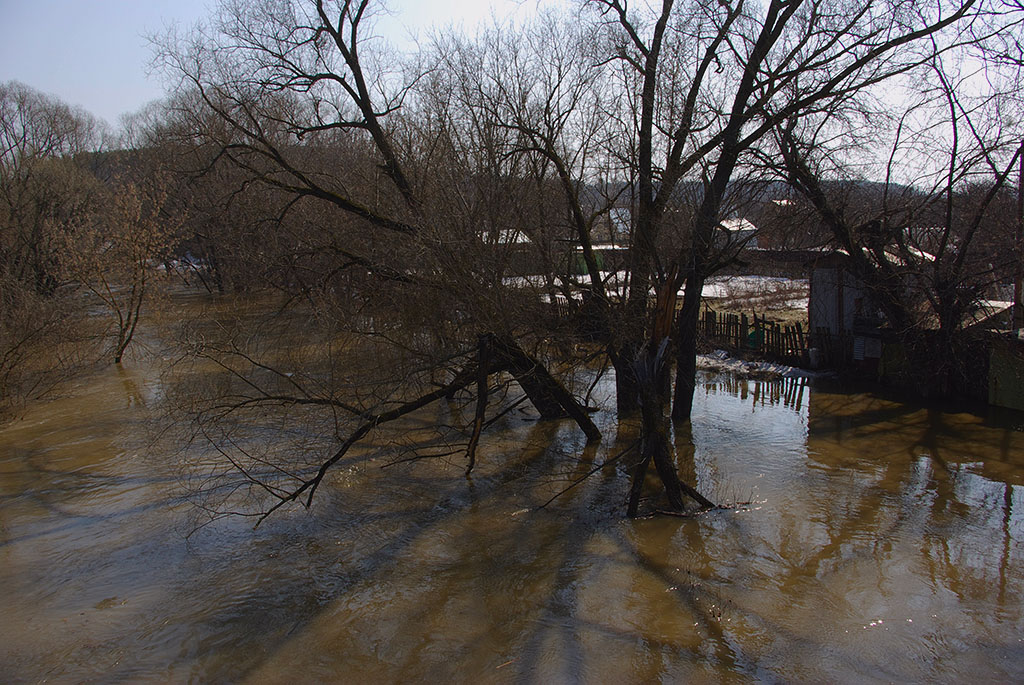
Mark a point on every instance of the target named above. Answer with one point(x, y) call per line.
point(494, 355)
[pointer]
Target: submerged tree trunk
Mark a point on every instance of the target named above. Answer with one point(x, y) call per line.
point(130, 320)
point(627, 391)
point(651, 370)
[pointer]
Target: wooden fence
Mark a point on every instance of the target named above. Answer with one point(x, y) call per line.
point(756, 334)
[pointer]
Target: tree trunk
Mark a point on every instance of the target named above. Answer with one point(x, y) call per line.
point(549, 396)
point(651, 370)
point(627, 390)
point(482, 389)
point(686, 348)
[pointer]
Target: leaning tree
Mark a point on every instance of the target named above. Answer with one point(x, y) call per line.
point(402, 220)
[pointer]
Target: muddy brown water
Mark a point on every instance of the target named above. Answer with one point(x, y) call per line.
point(882, 542)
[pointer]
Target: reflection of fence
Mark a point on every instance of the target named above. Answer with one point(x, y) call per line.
point(789, 392)
point(756, 334)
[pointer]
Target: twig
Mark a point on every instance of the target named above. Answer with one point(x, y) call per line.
point(606, 462)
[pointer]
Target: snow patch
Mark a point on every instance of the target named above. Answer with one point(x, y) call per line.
point(721, 361)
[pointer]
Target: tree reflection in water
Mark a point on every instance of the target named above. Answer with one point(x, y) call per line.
point(882, 541)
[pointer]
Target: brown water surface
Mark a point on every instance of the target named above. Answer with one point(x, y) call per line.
point(882, 542)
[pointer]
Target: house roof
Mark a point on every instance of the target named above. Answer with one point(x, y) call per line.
point(736, 224)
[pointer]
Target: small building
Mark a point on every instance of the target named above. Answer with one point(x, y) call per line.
point(735, 232)
point(845, 324)
point(1006, 373)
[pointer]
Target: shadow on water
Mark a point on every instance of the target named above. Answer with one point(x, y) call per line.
point(882, 541)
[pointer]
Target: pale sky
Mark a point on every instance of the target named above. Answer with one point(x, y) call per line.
point(94, 53)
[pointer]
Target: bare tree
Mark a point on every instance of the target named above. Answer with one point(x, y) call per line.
point(751, 67)
point(401, 182)
point(114, 254)
point(44, 187)
point(934, 244)
point(396, 215)
point(703, 86)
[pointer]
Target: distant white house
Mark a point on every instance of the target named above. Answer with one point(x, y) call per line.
point(736, 231)
point(512, 237)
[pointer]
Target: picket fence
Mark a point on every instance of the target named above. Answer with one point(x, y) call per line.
point(756, 334)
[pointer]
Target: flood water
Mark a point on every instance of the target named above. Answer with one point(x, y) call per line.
point(880, 541)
